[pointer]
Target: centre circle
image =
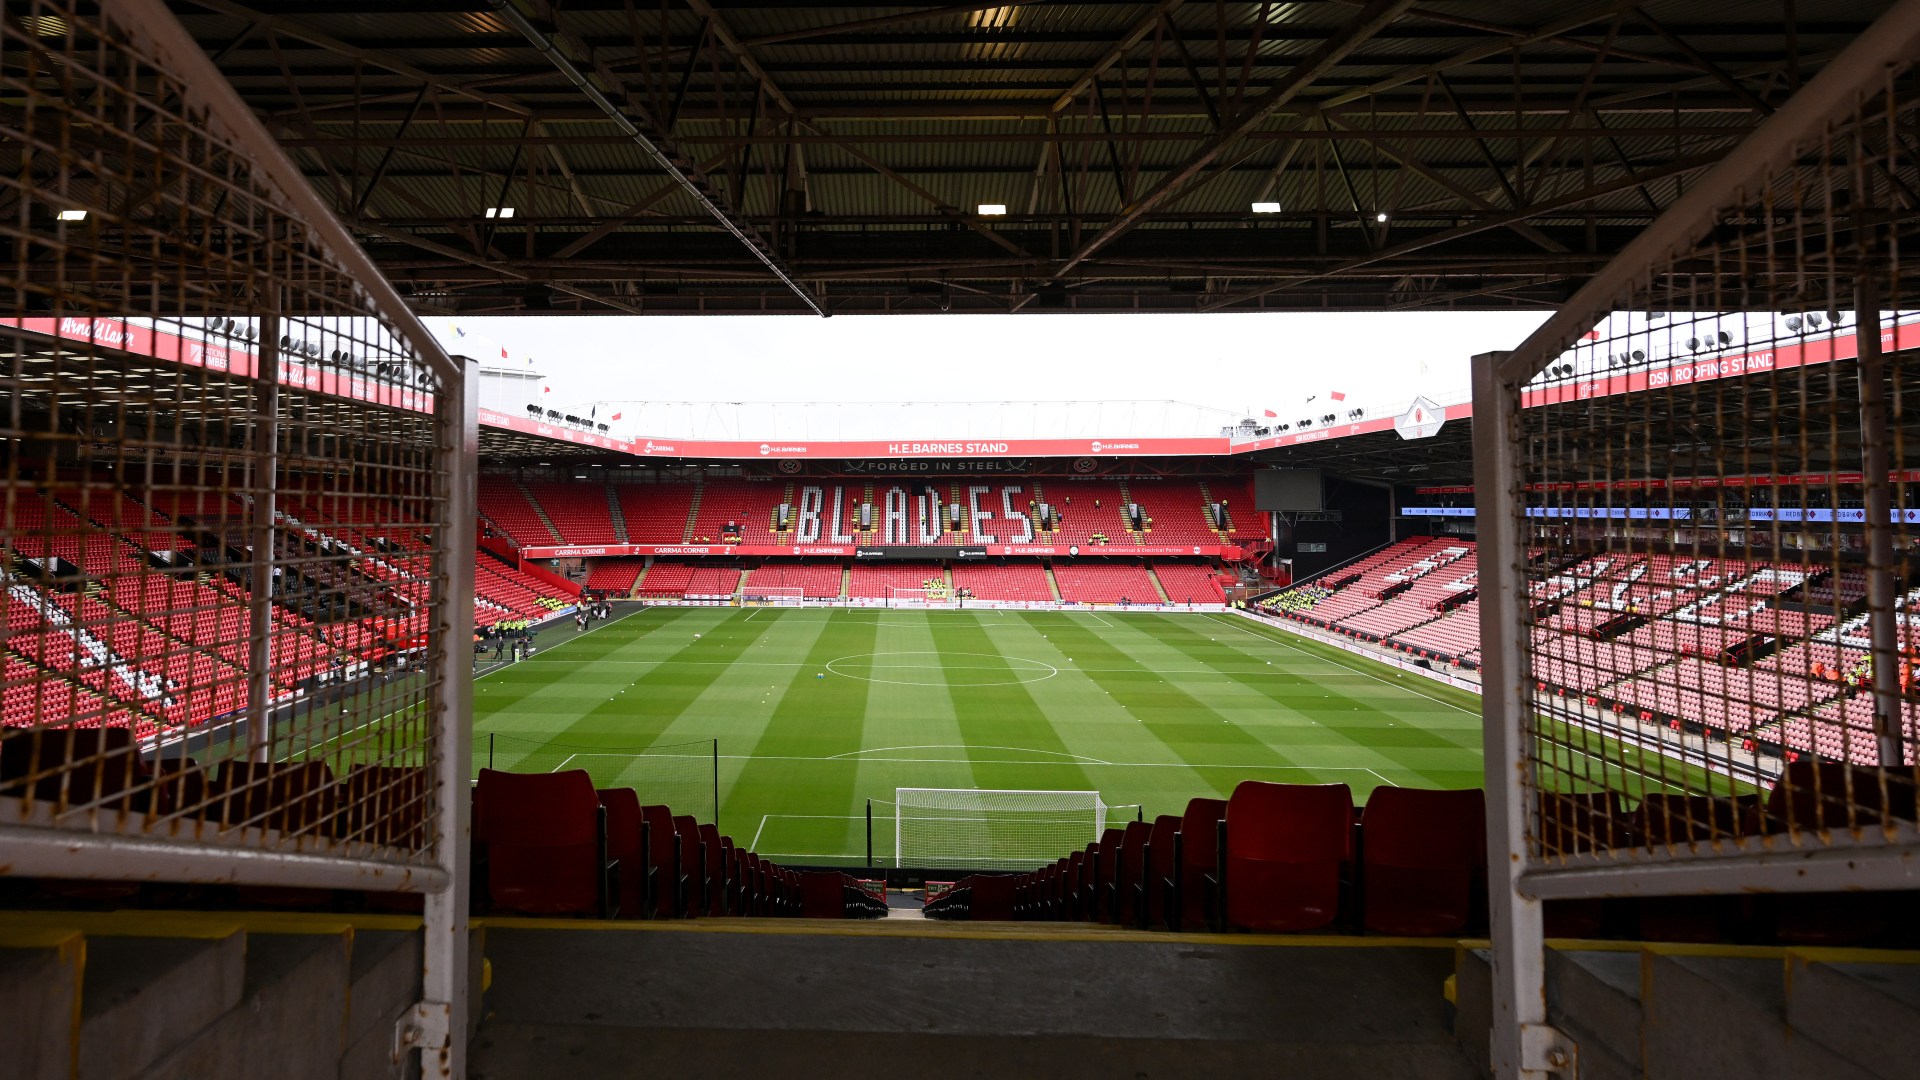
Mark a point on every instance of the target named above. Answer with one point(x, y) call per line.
point(889, 668)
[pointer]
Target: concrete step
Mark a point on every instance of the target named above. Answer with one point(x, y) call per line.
point(1687, 1011)
point(146, 996)
point(41, 972)
point(154, 995)
point(1866, 1008)
point(293, 1014)
point(980, 1002)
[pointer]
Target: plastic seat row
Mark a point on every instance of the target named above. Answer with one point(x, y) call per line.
point(1272, 858)
point(551, 844)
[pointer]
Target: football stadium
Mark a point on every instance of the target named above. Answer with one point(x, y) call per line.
point(487, 591)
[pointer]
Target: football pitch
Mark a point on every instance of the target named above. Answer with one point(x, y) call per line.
point(810, 713)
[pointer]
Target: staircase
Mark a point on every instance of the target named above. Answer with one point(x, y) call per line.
point(619, 518)
point(1222, 527)
point(1052, 585)
point(539, 511)
point(1125, 498)
point(1751, 1012)
point(1157, 587)
point(189, 995)
point(693, 514)
point(786, 499)
point(846, 580)
point(703, 1002)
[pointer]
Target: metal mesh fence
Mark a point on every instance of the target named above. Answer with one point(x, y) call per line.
point(225, 476)
point(1713, 514)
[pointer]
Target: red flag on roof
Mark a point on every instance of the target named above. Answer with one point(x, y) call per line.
point(1591, 335)
point(503, 352)
point(1270, 412)
point(616, 416)
point(1338, 396)
point(546, 389)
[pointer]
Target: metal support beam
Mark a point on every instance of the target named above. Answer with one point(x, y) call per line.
point(710, 201)
point(1375, 17)
point(265, 468)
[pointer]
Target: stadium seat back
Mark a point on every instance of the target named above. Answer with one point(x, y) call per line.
point(663, 856)
point(1571, 823)
point(822, 895)
point(386, 804)
point(993, 896)
point(1199, 856)
point(624, 846)
point(1421, 854)
point(1106, 861)
point(89, 764)
point(542, 832)
point(714, 869)
point(1285, 844)
point(298, 798)
point(1131, 870)
point(1839, 795)
point(1161, 867)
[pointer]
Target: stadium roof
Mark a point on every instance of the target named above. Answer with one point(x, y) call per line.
point(801, 155)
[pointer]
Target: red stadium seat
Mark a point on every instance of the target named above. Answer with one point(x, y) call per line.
point(1285, 844)
point(1162, 860)
point(1106, 863)
point(295, 799)
point(75, 766)
point(546, 843)
point(1421, 852)
point(1571, 824)
point(666, 873)
point(1129, 873)
point(1662, 820)
point(693, 862)
point(713, 870)
point(385, 804)
point(993, 896)
point(1815, 796)
point(823, 895)
point(1199, 857)
point(626, 846)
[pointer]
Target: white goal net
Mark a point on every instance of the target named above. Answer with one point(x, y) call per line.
point(783, 595)
point(992, 829)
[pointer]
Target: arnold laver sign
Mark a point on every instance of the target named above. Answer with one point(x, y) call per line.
point(1422, 420)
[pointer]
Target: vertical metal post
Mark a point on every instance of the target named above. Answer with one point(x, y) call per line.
point(490, 749)
point(869, 834)
point(1519, 973)
point(1875, 461)
point(266, 469)
point(716, 783)
point(444, 979)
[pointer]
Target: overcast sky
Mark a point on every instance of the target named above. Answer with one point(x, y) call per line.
point(1240, 363)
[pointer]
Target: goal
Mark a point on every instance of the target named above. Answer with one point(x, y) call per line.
point(992, 829)
point(777, 595)
point(917, 598)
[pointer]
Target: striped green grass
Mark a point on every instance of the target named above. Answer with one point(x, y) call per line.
point(815, 712)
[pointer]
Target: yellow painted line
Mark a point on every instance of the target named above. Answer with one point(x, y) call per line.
point(1851, 955)
point(888, 928)
point(122, 924)
point(39, 937)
